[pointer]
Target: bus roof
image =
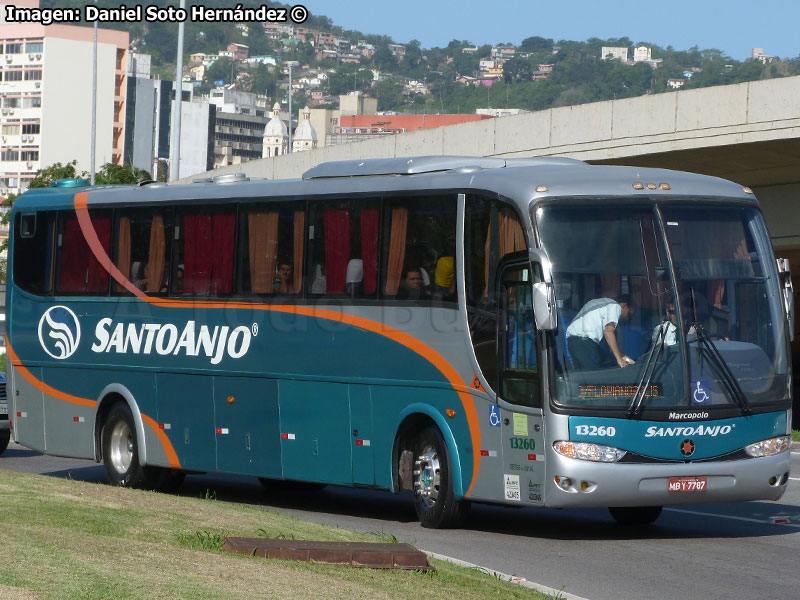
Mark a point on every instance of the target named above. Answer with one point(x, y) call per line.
point(521, 180)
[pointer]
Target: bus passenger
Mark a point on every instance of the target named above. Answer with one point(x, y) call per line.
point(283, 279)
point(596, 321)
point(412, 287)
point(445, 278)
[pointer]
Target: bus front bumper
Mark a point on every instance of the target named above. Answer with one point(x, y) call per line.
point(647, 484)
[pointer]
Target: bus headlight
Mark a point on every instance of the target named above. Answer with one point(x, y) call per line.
point(769, 447)
point(587, 451)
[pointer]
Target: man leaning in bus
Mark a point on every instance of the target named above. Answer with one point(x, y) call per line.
point(598, 320)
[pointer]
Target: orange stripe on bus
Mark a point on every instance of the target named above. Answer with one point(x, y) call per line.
point(42, 386)
point(396, 335)
point(172, 456)
point(59, 395)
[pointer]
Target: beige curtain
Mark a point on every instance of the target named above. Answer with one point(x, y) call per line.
point(154, 271)
point(512, 239)
point(299, 238)
point(124, 249)
point(397, 249)
point(263, 246)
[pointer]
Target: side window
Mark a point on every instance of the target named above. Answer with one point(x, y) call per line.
point(142, 249)
point(419, 248)
point(343, 249)
point(34, 249)
point(204, 242)
point(271, 248)
point(492, 231)
point(79, 271)
point(519, 374)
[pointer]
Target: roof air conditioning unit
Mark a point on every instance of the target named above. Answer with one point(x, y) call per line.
point(29, 165)
point(38, 84)
point(30, 56)
point(5, 111)
point(8, 58)
point(38, 57)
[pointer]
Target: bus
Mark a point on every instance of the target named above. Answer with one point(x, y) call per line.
point(411, 324)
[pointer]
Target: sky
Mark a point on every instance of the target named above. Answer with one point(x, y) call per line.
point(733, 26)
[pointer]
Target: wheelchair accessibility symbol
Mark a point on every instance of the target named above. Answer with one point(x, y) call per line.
point(494, 415)
point(701, 393)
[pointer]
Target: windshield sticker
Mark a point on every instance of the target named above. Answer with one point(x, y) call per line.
point(701, 393)
point(521, 424)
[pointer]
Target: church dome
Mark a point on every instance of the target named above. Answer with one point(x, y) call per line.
point(275, 126)
point(305, 131)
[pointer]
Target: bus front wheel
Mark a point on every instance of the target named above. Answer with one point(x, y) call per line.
point(434, 501)
point(121, 456)
point(5, 438)
point(635, 515)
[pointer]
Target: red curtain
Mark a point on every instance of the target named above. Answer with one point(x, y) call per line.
point(80, 270)
point(208, 253)
point(337, 249)
point(223, 230)
point(369, 249)
point(97, 276)
point(197, 253)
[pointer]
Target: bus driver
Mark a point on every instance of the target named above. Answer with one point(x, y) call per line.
point(597, 320)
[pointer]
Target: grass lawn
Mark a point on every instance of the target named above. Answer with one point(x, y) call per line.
point(65, 539)
point(795, 435)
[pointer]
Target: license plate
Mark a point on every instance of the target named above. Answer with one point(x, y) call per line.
point(3, 409)
point(687, 484)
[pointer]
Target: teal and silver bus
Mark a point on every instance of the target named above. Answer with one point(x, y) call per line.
point(425, 324)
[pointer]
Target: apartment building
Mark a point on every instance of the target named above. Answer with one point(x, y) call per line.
point(46, 98)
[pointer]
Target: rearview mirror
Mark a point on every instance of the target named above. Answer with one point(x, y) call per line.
point(544, 306)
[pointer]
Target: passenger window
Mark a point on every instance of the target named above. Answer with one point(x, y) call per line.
point(419, 246)
point(203, 255)
point(519, 375)
point(34, 248)
point(142, 249)
point(271, 241)
point(79, 271)
point(343, 249)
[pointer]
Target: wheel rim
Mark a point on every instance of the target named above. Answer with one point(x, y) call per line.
point(121, 447)
point(427, 476)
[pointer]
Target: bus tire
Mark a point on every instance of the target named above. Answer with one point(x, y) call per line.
point(5, 438)
point(121, 456)
point(434, 501)
point(635, 515)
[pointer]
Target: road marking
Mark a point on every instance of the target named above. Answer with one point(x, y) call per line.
point(731, 517)
point(561, 594)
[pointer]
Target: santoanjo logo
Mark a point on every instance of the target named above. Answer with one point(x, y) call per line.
point(59, 332)
point(688, 431)
point(165, 339)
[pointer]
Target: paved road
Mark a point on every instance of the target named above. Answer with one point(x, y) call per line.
point(700, 551)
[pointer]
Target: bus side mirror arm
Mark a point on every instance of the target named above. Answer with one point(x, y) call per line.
point(787, 291)
point(544, 297)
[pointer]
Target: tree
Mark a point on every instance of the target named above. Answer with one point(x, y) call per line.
point(221, 70)
point(389, 93)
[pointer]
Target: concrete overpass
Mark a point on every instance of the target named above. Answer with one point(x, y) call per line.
point(749, 133)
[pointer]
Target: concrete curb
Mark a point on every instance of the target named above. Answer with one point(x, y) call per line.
point(559, 594)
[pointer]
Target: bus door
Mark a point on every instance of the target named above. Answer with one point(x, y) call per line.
point(520, 387)
point(247, 426)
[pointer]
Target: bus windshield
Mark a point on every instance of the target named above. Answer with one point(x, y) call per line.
point(676, 306)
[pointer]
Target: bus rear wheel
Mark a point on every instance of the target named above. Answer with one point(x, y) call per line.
point(635, 515)
point(434, 500)
point(121, 456)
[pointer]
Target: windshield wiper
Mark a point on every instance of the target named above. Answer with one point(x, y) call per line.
point(637, 401)
point(711, 353)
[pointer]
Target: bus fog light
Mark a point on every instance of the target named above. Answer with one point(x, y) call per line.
point(587, 451)
point(773, 480)
point(565, 483)
point(769, 447)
